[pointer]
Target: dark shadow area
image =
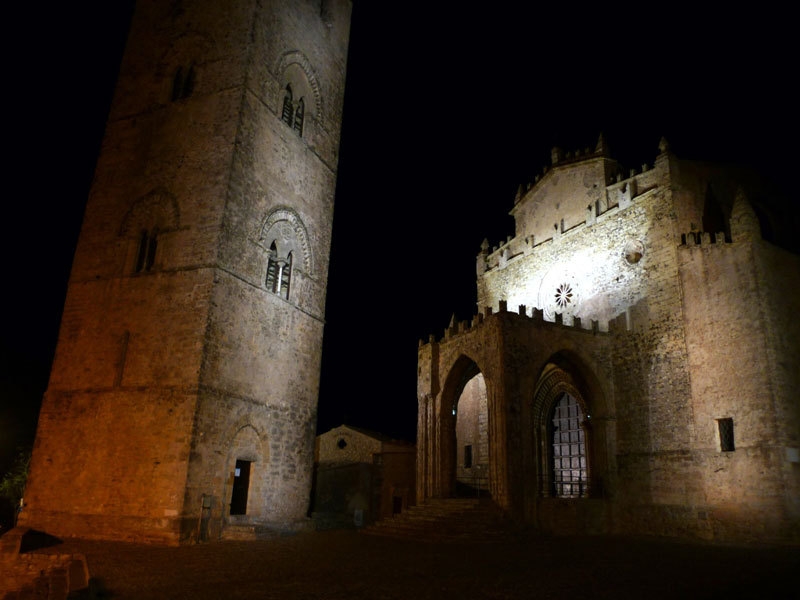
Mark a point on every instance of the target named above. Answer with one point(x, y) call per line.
point(33, 539)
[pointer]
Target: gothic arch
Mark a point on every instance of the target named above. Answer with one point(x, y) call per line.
point(248, 447)
point(288, 68)
point(461, 371)
point(563, 380)
point(284, 227)
point(447, 465)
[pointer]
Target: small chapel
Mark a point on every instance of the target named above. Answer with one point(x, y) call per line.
point(634, 363)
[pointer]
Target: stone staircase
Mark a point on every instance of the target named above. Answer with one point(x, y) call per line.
point(247, 531)
point(448, 519)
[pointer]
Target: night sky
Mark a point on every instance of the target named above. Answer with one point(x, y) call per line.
point(447, 110)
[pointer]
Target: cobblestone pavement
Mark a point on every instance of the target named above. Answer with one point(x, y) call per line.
point(347, 564)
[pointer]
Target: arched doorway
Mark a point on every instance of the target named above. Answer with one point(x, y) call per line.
point(561, 436)
point(245, 467)
point(462, 440)
point(568, 475)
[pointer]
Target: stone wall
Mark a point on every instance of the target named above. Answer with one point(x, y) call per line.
point(661, 331)
point(472, 429)
point(175, 359)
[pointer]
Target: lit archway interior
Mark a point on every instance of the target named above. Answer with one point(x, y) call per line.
point(472, 438)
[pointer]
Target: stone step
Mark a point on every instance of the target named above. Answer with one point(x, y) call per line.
point(239, 532)
point(446, 519)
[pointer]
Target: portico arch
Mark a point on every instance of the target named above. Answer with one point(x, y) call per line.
point(462, 432)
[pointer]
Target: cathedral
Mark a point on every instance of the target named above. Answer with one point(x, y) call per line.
point(634, 363)
point(183, 395)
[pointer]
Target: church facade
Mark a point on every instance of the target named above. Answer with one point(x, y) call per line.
point(635, 363)
point(183, 394)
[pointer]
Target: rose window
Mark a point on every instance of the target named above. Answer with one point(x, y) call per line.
point(563, 295)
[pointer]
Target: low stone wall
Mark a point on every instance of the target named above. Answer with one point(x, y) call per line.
point(38, 575)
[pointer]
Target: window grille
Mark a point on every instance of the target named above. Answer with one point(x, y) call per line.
point(570, 473)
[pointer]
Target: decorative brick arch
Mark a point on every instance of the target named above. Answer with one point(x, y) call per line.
point(296, 58)
point(285, 227)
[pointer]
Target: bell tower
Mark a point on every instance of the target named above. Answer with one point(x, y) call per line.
point(183, 393)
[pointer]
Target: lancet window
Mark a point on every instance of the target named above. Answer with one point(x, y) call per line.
point(279, 272)
point(146, 253)
point(293, 113)
point(183, 83)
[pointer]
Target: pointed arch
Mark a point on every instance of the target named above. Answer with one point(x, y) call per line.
point(246, 462)
point(451, 476)
point(561, 430)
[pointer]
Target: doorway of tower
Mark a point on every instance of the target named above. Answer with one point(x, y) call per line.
point(241, 485)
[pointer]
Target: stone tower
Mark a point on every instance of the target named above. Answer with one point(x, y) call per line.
point(183, 394)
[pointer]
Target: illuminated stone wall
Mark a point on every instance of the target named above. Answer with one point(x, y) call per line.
point(344, 444)
point(357, 469)
point(651, 297)
point(472, 430)
point(174, 359)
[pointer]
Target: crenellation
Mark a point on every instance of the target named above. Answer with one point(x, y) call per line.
point(703, 238)
point(659, 345)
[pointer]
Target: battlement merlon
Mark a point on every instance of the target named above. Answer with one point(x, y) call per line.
point(535, 315)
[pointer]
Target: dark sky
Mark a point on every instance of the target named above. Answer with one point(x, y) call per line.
point(447, 109)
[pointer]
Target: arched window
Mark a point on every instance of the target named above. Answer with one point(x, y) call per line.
point(279, 273)
point(569, 467)
point(293, 113)
point(299, 114)
point(272, 269)
point(183, 83)
point(287, 113)
point(146, 254)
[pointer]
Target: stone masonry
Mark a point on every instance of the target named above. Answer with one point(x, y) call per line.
point(657, 308)
point(185, 381)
